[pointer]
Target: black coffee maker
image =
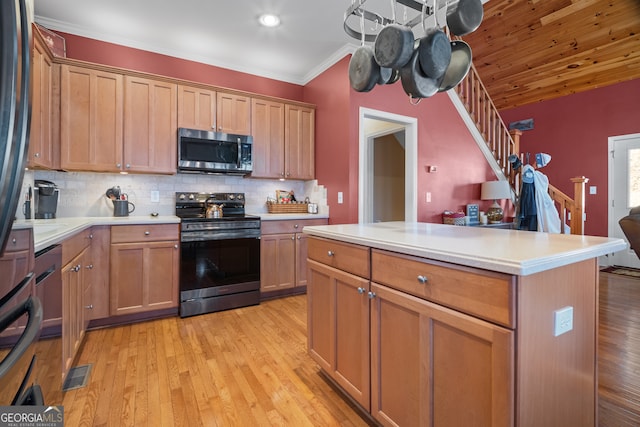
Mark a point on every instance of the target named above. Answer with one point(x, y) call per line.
point(45, 199)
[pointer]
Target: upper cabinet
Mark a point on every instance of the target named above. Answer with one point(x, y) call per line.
point(234, 113)
point(283, 140)
point(43, 152)
point(115, 123)
point(299, 134)
point(196, 108)
point(91, 119)
point(268, 138)
point(150, 126)
point(205, 109)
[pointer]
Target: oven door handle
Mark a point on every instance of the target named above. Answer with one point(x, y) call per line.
point(33, 307)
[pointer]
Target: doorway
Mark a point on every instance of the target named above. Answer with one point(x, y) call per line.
point(624, 190)
point(388, 167)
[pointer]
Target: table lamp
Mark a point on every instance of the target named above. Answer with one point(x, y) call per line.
point(494, 190)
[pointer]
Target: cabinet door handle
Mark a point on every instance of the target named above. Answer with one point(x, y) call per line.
point(175, 246)
point(299, 237)
point(371, 295)
point(330, 253)
point(118, 165)
point(295, 226)
point(361, 290)
point(90, 267)
point(146, 233)
point(422, 279)
point(293, 237)
point(89, 307)
point(14, 241)
point(37, 155)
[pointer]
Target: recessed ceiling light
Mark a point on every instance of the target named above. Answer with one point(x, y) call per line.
point(269, 20)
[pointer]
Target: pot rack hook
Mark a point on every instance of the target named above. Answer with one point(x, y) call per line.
point(414, 101)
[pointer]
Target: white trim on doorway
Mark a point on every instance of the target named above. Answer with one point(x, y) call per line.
point(365, 162)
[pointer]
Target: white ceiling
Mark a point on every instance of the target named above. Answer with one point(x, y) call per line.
point(224, 33)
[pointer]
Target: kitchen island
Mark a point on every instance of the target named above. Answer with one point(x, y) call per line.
point(440, 325)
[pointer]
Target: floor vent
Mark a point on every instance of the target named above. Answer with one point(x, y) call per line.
point(77, 377)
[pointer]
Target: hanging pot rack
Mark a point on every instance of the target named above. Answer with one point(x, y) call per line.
point(358, 9)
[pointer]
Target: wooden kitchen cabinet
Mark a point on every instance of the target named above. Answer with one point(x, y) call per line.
point(432, 366)
point(338, 328)
point(267, 123)
point(196, 108)
point(299, 142)
point(233, 113)
point(97, 300)
point(283, 255)
point(216, 111)
point(91, 119)
point(402, 357)
point(283, 140)
point(150, 126)
point(43, 152)
point(144, 268)
point(76, 289)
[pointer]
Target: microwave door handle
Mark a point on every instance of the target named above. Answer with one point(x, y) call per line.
point(239, 153)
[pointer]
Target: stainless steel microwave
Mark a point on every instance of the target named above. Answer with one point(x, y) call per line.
point(201, 151)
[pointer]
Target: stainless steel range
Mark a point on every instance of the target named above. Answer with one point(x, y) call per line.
point(220, 253)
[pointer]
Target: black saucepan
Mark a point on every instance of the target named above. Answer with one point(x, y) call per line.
point(414, 82)
point(434, 53)
point(364, 71)
point(394, 46)
point(464, 17)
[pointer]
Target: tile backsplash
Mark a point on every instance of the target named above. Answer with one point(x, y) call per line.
point(83, 193)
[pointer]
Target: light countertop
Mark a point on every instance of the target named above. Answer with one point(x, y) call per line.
point(507, 251)
point(47, 232)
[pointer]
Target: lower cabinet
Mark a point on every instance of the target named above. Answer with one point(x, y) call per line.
point(406, 360)
point(144, 268)
point(16, 262)
point(76, 291)
point(283, 255)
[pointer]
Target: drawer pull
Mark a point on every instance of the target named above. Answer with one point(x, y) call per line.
point(330, 253)
point(13, 241)
point(371, 295)
point(361, 290)
point(90, 267)
point(422, 279)
point(295, 226)
point(293, 237)
point(89, 307)
point(146, 233)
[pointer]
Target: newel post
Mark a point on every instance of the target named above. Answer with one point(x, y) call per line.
point(577, 218)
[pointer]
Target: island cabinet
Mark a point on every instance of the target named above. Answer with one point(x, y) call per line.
point(207, 109)
point(283, 256)
point(43, 152)
point(417, 341)
point(144, 268)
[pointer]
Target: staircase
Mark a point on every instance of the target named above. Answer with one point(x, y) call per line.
point(497, 143)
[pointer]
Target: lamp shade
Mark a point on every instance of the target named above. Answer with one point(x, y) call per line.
point(495, 190)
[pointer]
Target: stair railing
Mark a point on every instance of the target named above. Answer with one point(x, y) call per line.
point(503, 143)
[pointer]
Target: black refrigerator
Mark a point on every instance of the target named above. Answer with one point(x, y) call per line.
point(20, 309)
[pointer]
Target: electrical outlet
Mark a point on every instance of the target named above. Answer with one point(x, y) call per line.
point(340, 197)
point(155, 196)
point(563, 321)
point(428, 197)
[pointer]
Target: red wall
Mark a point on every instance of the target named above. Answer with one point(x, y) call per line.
point(91, 50)
point(574, 130)
point(443, 140)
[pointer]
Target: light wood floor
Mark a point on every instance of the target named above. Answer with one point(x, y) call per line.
point(249, 367)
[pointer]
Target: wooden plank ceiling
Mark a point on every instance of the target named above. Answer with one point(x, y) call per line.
point(527, 51)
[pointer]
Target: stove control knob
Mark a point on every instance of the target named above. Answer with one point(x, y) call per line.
point(239, 197)
point(232, 196)
point(191, 197)
point(182, 197)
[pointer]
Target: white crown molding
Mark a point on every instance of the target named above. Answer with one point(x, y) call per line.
point(110, 38)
